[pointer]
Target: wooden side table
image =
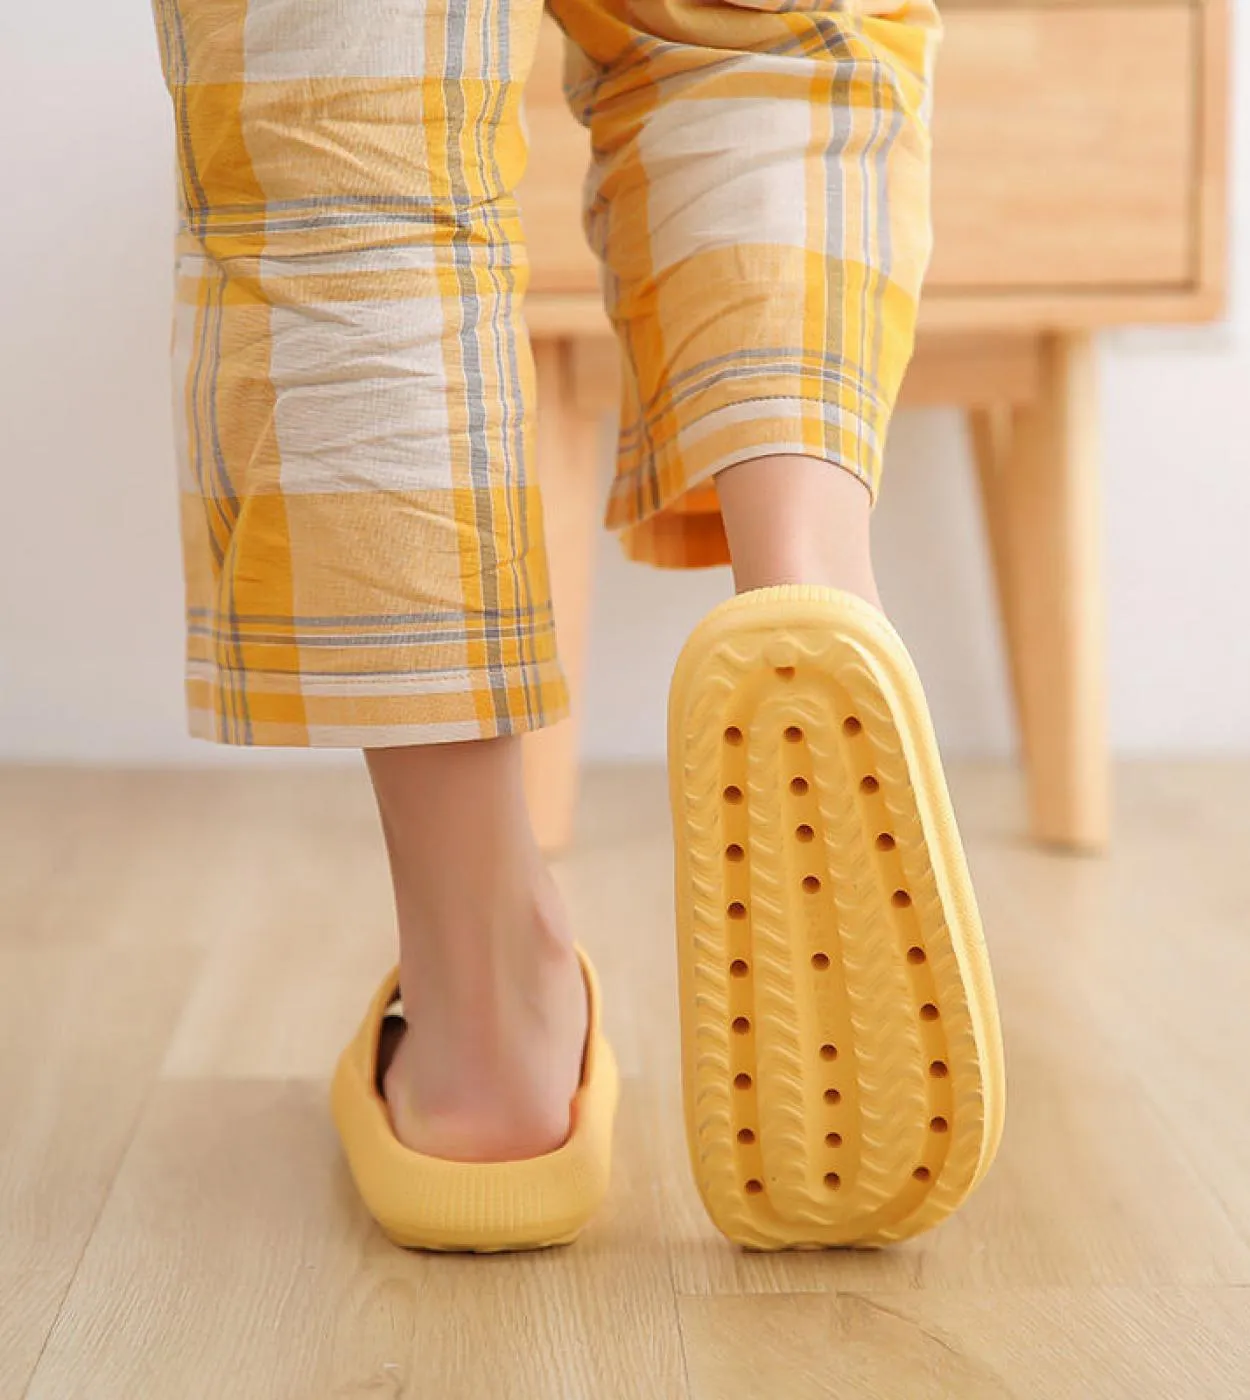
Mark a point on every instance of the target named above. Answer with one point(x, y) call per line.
point(1079, 183)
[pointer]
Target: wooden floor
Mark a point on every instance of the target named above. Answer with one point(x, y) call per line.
point(181, 956)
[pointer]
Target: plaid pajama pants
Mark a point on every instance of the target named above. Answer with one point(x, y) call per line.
point(362, 527)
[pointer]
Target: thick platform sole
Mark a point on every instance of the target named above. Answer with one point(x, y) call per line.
point(842, 1061)
point(431, 1203)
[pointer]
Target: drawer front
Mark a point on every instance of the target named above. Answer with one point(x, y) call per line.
point(1065, 145)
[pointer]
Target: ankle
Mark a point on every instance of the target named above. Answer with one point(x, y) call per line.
point(477, 908)
point(478, 951)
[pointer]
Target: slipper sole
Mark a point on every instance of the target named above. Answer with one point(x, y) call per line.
point(431, 1203)
point(841, 1053)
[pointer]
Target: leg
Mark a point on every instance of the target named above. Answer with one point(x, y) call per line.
point(760, 200)
point(1048, 486)
point(568, 443)
point(492, 990)
point(363, 534)
point(792, 520)
point(765, 225)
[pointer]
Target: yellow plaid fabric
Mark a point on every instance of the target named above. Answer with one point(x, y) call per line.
point(354, 391)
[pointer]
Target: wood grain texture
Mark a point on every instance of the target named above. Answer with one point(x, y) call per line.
point(989, 437)
point(1041, 175)
point(175, 1218)
point(1021, 1345)
point(976, 369)
point(551, 191)
point(1051, 516)
point(233, 1245)
point(1213, 114)
point(81, 1041)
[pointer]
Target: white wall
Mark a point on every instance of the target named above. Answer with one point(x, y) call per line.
point(90, 592)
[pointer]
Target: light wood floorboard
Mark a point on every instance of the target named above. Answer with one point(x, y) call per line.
point(183, 954)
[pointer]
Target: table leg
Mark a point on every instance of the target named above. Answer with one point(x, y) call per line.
point(567, 454)
point(1040, 490)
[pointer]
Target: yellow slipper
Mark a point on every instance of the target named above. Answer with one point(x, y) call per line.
point(431, 1203)
point(841, 1054)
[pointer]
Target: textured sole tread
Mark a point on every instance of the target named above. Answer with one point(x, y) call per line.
point(842, 1062)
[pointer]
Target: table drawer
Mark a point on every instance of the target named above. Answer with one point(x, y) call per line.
point(551, 193)
point(1065, 143)
point(1064, 147)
